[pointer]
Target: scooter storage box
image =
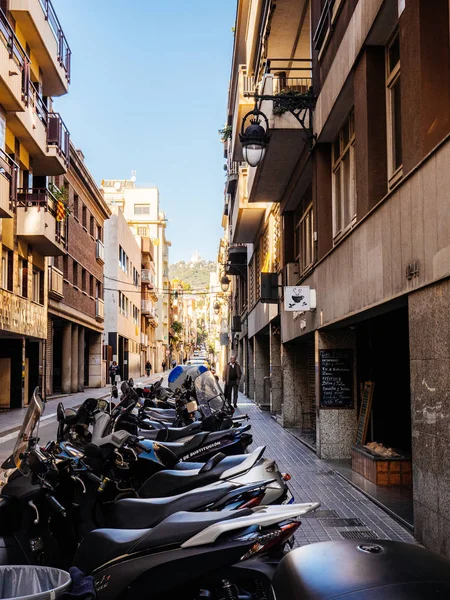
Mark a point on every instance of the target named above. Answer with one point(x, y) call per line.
point(362, 570)
point(32, 583)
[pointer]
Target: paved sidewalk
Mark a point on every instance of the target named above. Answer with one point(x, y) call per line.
point(11, 420)
point(314, 480)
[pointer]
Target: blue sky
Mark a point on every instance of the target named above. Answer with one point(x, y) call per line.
point(148, 93)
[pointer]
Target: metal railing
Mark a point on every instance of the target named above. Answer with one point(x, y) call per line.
point(147, 276)
point(16, 53)
point(38, 104)
point(283, 85)
point(10, 171)
point(42, 198)
point(324, 25)
point(58, 135)
point(64, 52)
point(99, 251)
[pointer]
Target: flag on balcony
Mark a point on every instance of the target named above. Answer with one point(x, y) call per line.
point(60, 211)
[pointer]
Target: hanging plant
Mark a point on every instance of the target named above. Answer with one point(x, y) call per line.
point(225, 133)
point(61, 195)
point(278, 109)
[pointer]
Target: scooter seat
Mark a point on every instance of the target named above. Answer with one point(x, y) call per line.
point(103, 545)
point(141, 513)
point(229, 461)
point(199, 440)
point(172, 482)
point(171, 434)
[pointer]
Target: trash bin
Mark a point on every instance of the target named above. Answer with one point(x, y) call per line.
point(32, 583)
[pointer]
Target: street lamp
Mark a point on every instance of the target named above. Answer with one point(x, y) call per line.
point(255, 137)
point(216, 307)
point(225, 283)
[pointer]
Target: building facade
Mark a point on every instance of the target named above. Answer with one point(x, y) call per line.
point(34, 145)
point(360, 193)
point(122, 293)
point(141, 209)
point(75, 287)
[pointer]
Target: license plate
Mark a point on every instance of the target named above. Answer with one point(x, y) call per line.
point(289, 498)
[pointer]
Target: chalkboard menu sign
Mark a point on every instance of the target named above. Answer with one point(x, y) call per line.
point(336, 378)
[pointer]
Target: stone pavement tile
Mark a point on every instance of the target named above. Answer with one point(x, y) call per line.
point(314, 481)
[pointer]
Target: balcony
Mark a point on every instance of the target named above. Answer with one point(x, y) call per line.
point(245, 219)
point(243, 105)
point(39, 23)
point(144, 339)
point(232, 177)
point(148, 308)
point(55, 283)
point(8, 185)
point(14, 69)
point(148, 277)
point(36, 222)
point(100, 252)
point(147, 247)
point(268, 181)
point(43, 134)
point(99, 309)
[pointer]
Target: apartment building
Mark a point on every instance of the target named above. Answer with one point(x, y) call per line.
point(360, 192)
point(141, 209)
point(122, 293)
point(75, 287)
point(149, 319)
point(34, 145)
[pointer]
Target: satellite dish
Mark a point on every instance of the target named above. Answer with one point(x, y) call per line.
point(117, 185)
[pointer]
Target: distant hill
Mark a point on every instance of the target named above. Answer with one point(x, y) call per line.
point(196, 274)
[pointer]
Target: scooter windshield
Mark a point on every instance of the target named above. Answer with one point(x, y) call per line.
point(35, 409)
point(210, 397)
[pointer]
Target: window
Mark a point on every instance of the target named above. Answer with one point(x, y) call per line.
point(91, 285)
point(84, 280)
point(135, 315)
point(92, 226)
point(66, 266)
point(142, 209)
point(142, 231)
point(99, 233)
point(75, 274)
point(76, 206)
point(304, 236)
point(123, 260)
point(84, 218)
point(23, 277)
point(135, 277)
point(7, 269)
point(344, 191)
point(394, 110)
point(38, 286)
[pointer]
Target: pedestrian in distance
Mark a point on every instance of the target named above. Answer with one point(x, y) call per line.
point(164, 365)
point(231, 376)
point(114, 370)
point(148, 368)
point(174, 363)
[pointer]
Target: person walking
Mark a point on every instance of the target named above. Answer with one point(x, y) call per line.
point(174, 363)
point(114, 370)
point(164, 364)
point(231, 376)
point(148, 368)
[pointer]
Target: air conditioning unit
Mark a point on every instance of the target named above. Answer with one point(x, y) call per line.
point(291, 274)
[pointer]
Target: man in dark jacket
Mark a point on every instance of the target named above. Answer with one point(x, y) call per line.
point(232, 375)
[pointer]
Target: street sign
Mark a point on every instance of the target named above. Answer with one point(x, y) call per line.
point(297, 298)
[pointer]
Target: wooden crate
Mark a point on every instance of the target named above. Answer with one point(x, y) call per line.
point(381, 470)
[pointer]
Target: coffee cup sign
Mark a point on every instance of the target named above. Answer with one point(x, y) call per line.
point(297, 298)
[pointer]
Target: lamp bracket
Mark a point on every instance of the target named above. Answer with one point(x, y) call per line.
point(299, 106)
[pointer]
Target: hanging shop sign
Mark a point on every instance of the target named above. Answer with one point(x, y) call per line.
point(297, 298)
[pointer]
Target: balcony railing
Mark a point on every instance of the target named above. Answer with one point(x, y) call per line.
point(324, 25)
point(147, 276)
point(45, 200)
point(99, 309)
point(144, 339)
point(58, 135)
point(100, 251)
point(10, 170)
point(16, 52)
point(64, 52)
point(55, 283)
point(147, 308)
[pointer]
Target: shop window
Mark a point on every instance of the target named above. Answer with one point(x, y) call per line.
point(304, 237)
point(344, 190)
point(394, 111)
point(23, 277)
point(38, 286)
